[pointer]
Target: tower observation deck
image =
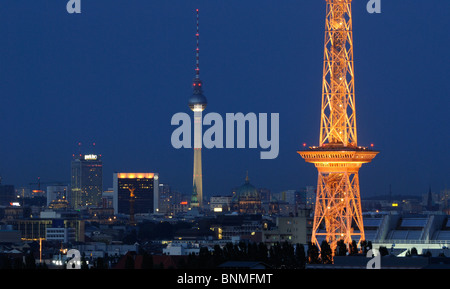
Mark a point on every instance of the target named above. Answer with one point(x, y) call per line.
point(338, 158)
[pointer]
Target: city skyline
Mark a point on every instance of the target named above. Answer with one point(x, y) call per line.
point(61, 86)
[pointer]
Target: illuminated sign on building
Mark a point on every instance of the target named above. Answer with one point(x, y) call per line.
point(137, 176)
point(90, 157)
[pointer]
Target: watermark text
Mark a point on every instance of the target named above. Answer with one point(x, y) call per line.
point(236, 125)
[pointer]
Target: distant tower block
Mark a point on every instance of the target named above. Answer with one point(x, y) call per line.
point(197, 103)
point(338, 157)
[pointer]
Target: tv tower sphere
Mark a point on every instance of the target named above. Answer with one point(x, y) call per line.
point(197, 102)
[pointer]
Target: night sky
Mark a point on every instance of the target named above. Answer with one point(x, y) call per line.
point(116, 73)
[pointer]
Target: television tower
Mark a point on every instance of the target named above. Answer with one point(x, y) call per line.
point(197, 103)
point(338, 157)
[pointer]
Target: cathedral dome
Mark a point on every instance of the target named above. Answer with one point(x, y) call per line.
point(247, 191)
point(247, 199)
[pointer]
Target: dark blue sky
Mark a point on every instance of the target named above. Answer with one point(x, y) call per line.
point(116, 73)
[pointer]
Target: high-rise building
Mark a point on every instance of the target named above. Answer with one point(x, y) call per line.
point(135, 193)
point(197, 103)
point(86, 181)
point(7, 194)
point(165, 198)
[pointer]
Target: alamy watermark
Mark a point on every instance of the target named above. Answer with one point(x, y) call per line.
point(373, 6)
point(213, 137)
point(73, 6)
point(375, 262)
point(75, 259)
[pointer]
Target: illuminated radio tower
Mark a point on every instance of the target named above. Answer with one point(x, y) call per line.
point(197, 103)
point(338, 157)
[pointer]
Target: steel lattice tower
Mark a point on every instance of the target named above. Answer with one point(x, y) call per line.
point(338, 157)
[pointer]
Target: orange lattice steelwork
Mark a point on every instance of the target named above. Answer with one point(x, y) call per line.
point(338, 157)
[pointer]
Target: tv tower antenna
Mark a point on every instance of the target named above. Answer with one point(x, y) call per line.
point(197, 52)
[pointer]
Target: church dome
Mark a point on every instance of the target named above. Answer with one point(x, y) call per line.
point(247, 191)
point(247, 199)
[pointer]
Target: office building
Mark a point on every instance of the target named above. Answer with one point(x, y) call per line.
point(142, 187)
point(86, 181)
point(7, 194)
point(58, 231)
point(35, 229)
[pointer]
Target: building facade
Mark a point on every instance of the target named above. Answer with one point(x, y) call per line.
point(220, 204)
point(35, 229)
point(144, 187)
point(7, 194)
point(290, 229)
point(55, 193)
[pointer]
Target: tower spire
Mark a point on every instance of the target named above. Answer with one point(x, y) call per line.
point(197, 52)
point(197, 83)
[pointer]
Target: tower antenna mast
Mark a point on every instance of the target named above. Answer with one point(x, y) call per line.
point(197, 51)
